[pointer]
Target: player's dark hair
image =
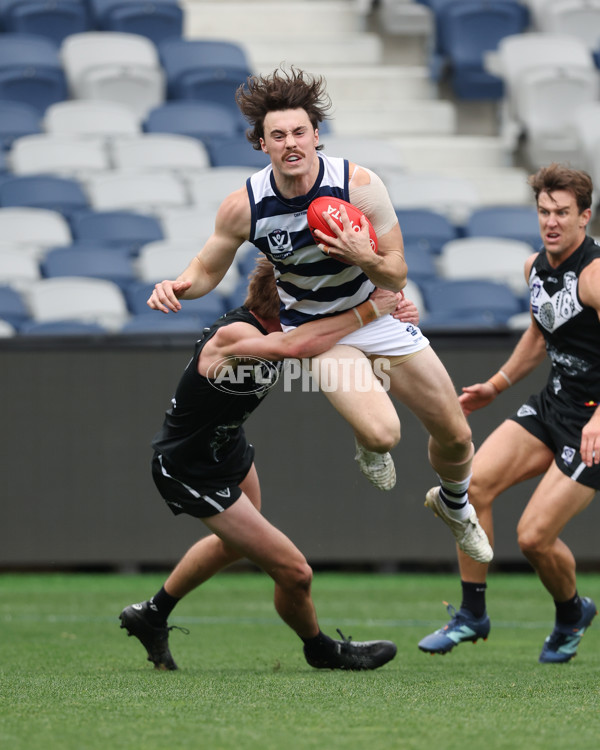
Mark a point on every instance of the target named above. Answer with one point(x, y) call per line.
point(293, 89)
point(263, 298)
point(560, 177)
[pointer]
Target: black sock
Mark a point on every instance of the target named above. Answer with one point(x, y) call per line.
point(319, 644)
point(568, 612)
point(162, 604)
point(473, 598)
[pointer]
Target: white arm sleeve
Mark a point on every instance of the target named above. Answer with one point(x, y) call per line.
point(374, 201)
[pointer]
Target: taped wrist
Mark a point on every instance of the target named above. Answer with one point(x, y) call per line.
point(500, 381)
point(367, 312)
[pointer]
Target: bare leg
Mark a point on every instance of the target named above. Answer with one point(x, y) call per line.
point(209, 555)
point(423, 384)
point(368, 410)
point(509, 456)
point(242, 528)
point(555, 502)
point(239, 531)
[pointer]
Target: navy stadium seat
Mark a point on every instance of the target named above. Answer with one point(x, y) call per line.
point(465, 32)
point(83, 246)
point(115, 265)
point(429, 229)
point(158, 20)
point(238, 295)
point(511, 222)
point(17, 119)
point(171, 323)
point(246, 262)
point(209, 307)
point(467, 322)
point(55, 19)
point(28, 49)
point(119, 228)
point(12, 307)
point(206, 121)
point(31, 71)
point(236, 151)
point(44, 191)
point(458, 299)
point(204, 70)
point(420, 262)
point(183, 56)
point(61, 328)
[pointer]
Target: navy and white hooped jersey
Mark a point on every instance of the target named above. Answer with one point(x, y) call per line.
point(310, 284)
point(571, 331)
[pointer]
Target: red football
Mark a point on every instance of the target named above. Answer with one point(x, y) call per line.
point(331, 206)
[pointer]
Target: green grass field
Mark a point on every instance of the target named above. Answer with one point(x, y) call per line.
point(71, 679)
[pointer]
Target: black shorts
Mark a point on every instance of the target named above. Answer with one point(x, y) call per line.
point(560, 430)
point(182, 496)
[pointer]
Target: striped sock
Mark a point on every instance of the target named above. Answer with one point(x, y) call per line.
point(455, 498)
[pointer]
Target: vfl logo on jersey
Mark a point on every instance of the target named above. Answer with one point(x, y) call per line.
point(526, 411)
point(280, 243)
point(568, 454)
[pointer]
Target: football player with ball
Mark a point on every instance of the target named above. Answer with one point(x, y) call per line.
point(330, 272)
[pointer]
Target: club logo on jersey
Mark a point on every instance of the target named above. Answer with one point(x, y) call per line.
point(280, 243)
point(251, 375)
point(546, 316)
point(556, 309)
point(568, 454)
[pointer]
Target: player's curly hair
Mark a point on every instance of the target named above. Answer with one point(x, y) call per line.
point(560, 177)
point(262, 297)
point(293, 89)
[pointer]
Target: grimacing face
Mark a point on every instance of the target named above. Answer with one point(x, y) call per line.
point(562, 227)
point(290, 140)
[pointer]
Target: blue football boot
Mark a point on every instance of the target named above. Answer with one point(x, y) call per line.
point(462, 627)
point(561, 645)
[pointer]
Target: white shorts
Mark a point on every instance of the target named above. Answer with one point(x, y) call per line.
point(387, 337)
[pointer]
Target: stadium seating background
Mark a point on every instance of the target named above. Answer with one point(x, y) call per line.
point(123, 201)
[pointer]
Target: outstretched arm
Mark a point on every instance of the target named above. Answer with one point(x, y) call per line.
point(529, 352)
point(232, 227)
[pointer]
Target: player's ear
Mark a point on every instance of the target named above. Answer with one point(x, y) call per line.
point(263, 145)
point(586, 215)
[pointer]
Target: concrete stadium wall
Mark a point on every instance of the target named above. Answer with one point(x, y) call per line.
point(78, 418)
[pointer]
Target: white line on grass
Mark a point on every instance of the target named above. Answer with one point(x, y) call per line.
point(228, 620)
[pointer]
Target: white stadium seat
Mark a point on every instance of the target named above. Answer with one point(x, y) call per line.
point(114, 66)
